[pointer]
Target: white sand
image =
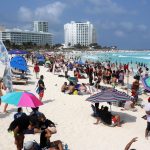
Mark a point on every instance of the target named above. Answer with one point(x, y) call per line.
point(72, 114)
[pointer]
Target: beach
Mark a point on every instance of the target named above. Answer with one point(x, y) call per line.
point(74, 123)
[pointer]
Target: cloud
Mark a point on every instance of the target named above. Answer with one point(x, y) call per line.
point(142, 27)
point(120, 33)
point(106, 6)
point(107, 25)
point(129, 26)
point(25, 14)
point(50, 12)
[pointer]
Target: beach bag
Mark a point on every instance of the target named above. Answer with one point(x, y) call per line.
point(37, 90)
point(75, 92)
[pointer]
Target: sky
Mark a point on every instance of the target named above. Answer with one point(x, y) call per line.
point(124, 23)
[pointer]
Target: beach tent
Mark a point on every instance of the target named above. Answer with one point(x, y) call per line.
point(19, 63)
point(109, 95)
point(16, 51)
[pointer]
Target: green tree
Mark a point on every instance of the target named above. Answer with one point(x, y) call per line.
point(8, 44)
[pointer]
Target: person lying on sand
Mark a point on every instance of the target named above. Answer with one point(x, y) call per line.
point(129, 105)
point(83, 89)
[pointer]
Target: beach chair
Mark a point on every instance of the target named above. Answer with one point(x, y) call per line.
point(19, 81)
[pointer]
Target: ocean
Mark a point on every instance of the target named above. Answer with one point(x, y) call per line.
point(120, 57)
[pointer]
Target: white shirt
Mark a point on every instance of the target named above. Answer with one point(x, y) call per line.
point(147, 108)
point(128, 105)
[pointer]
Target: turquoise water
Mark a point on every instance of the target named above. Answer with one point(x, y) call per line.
point(123, 57)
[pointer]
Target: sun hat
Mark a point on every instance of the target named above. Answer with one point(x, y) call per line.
point(52, 129)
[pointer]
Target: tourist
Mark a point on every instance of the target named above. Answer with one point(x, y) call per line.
point(19, 127)
point(121, 78)
point(66, 70)
point(44, 123)
point(71, 88)
point(2, 87)
point(129, 105)
point(108, 118)
point(36, 70)
point(19, 113)
point(64, 87)
point(147, 109)
point(35, 112)
point(135, 89)
point(41, 87)
point(45, 143)
point(91, 75)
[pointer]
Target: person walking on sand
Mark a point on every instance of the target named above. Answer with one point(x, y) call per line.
point(147, 110)
point(36, 70)
point(2, 87)
point(41, 87)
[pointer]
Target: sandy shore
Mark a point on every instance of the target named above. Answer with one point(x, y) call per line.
point(72, 114)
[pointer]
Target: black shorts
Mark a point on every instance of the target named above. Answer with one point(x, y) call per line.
point(29, 131)
point(148, 126)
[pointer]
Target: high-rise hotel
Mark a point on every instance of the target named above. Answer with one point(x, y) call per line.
point(82, 33)
point(39, 35)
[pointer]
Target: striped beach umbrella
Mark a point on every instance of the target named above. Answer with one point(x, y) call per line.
point(109, 95)
point(146, 83)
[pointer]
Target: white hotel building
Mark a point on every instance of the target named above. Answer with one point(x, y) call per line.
point(82, 33)
point(19, 37)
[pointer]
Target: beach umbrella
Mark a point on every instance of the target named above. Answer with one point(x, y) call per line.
point(21, 99)
point(109, 95)
point(19, 62)
point(16, 51)
point(146, 83)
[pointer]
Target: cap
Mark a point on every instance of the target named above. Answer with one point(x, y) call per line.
point(28, 145)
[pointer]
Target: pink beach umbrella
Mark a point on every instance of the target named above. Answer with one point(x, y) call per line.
point(21, 99)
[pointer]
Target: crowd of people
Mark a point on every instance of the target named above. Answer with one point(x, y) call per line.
point(107, 72)
point(34, 123)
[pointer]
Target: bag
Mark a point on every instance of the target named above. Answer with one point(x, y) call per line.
point(38, 90)
point(75, 92)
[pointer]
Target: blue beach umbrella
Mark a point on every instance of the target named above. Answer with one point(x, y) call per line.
point(16, 51)
point(19, 62)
